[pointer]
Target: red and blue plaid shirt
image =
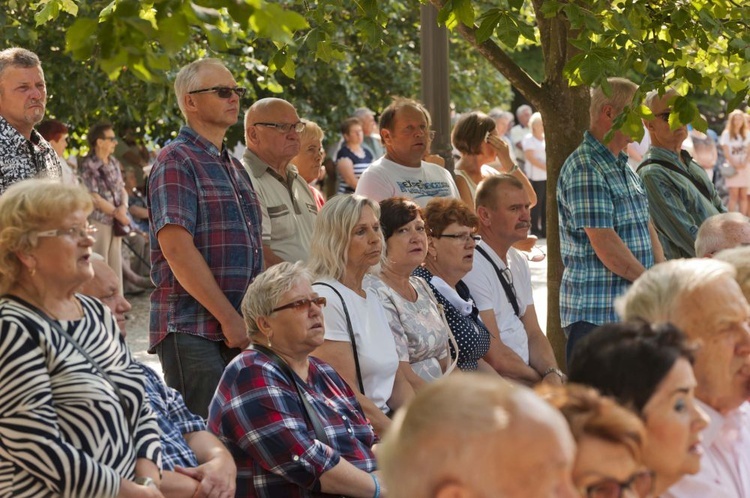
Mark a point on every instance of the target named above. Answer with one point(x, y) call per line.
point(204, 190)
point(257, 413)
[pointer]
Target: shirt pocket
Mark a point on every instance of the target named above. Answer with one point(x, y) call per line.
point(220, 203)
point(282, 226)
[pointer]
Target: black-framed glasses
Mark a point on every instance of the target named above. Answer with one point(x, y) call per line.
point(284, 127)
point(642, 483)
point(72, 232)
point(302, 304)
point(224, 92)
point(463, 237)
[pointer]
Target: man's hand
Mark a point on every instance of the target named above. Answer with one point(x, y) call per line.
point(235, 332)
point(217, 477)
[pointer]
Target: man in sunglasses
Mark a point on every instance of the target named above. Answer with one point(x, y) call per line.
point(680, 195)
point(272, 130)
point(500, 283)
point(206, 243)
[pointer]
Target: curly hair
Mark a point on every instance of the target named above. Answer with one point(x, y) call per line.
point(442, 212)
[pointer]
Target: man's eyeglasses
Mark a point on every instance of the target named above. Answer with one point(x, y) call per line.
point(642, 483)
point(463, 237)
point(284, 127)
point(302, 304)
point(224, 92)
point(72, 232)
point(664, 116)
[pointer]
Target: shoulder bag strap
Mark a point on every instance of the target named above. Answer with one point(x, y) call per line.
point(506, 286)
point(52, 323)
point(350, 329)
point(699, 185)
point(311, 414)
point(441, 310)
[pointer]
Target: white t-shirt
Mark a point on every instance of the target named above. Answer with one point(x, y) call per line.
point(376, 349)
point(488, 293)
point(384, 179)
point(538, 149)
point(737, 146)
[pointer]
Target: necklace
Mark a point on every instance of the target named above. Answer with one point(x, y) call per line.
point(404, 289)
point(37, 301)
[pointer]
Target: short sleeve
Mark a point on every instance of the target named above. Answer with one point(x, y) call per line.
point(333, 315)
point(587, 196)
point(173, 193)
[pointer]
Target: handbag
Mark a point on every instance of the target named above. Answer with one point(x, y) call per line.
point(119, 229)
point(727, 170)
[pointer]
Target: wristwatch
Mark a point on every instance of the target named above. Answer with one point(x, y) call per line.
point(145, 481)
point(512, 170)
point(556, 371)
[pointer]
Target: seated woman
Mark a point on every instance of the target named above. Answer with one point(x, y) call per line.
point(450, 256)
point(417, 324)
point(346, 243)
point(283, 444)
point(609, 441)
point(74, 417)
point(352, 158)
point(648, 369)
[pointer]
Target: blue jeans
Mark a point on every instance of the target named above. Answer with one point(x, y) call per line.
point(575, 332)
point(193, 366)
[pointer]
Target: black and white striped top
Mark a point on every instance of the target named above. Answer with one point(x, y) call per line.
point(63, 431)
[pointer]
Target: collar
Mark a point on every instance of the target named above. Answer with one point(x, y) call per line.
point(13, 138)
point(190, 135)
point(600, 148)
point(258, 167)
point(463, 306)
point(718, 423)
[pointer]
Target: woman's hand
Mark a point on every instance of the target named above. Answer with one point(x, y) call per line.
point(121, 214)
point(502, 150)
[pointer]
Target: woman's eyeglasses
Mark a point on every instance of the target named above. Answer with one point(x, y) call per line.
point(642, 483)
point(224, 92)
point(72, 232)
point(463, 237)
point(302, 304)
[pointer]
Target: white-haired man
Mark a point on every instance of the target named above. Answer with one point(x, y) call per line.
point(722, 231)
point(701, 297)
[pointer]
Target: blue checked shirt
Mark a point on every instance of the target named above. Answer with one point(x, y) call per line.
point(597, 190)
point(175, 420)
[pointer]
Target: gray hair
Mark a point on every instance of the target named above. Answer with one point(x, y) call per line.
point(654, 95)
point(361, 112)
point(534, 119)
point(266, 291)
point(521, 109)
point(333, 231)
point(739, 257)
point(719, 232)
point(17, 57)
point(657, 294)
point(622, 94)
point(189, 76)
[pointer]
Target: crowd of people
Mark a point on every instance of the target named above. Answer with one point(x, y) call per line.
point(382, 341)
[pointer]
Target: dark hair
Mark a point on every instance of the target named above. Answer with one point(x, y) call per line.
point(628, 360)
point(443, 211)
point(347, 124)
point(487, 194)
point(469, 132)
point(395, 213)
point(96, 132)
point(389, 113)
point(52, 129)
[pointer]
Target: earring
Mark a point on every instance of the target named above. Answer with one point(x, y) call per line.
point(32, 271)
point(269, 341)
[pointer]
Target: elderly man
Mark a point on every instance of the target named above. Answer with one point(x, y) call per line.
point(404, 128)
point(701, 297)
point(207, 467)
point(23, 97)
point(272, 130)
point(500, 283)
point(722, 231)
point(680, 195)
point(606, 237)
point(206, 247)
point(519, 132)
point(370, 131)
point(474, 435)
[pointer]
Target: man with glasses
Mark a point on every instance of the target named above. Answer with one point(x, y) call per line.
point(272, 130)
point(23, 97)
point(404, 129)
point(606, 237)
point(500, 283)
point(680, 195)
point(206, 247)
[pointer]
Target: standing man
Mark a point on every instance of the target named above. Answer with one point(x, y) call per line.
point(606, 237)
point(519, 132)
point(680, 195)
point(206, 243)
point(405, 130)
point(23, 97)
point(272, 130)
point(500, 282)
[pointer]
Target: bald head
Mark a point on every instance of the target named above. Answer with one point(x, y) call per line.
point(265, 136)
point(722, 231)
point(105, 286)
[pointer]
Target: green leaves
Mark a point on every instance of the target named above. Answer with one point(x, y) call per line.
point(457, 11)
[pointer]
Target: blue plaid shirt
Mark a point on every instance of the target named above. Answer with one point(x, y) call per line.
point(597, 190)
point(208, 193)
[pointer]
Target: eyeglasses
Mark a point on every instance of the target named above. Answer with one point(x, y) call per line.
point(111, 139)
point(72, 232)
point(463, 237)
point(642, 483)
point(302, 304)
point(284, 127)
point(224, 92)
point(664, 116)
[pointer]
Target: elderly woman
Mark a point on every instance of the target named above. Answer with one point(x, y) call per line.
point(535, 153)
point(649, 370)
point(74, 418)
point(310, 158)
point(417, 324)
point(609, 441)
point(100, 174)
point(450, 256)
point(293, 425)
point(346, 243)
point(352, 158)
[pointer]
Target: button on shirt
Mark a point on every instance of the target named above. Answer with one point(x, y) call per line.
point(598, 190)
point(21, 159)
point(196, 186)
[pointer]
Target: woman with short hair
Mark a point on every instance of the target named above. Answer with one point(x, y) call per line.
point(352, 158)
point(310, 158)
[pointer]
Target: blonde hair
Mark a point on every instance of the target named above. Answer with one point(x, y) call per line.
point(27, 207)
point(332, 233)
point(741, 131)
point(311, 132)
point(622, 94)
